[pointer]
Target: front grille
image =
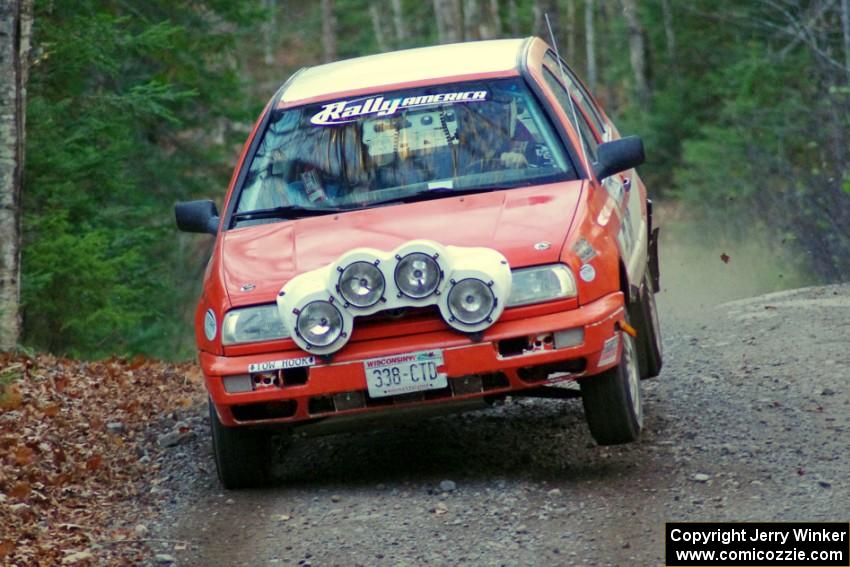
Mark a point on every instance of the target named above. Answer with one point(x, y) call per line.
point(402, 314)
point(542, 372)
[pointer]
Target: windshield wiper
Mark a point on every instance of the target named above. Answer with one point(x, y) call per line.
point(436, 194)
point(287, 212)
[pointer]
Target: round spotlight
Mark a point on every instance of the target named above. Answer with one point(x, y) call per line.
point(417, 275)
point(471, 301)
point(319, 323)
point(361, 284)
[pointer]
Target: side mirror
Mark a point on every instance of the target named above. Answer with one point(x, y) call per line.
point(619, 155)
point(197, 216)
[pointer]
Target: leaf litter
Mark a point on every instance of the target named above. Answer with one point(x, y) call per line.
point(78, 455)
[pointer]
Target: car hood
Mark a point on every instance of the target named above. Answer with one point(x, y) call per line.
point(519, 223)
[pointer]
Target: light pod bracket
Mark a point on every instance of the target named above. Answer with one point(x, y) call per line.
point(454, 263)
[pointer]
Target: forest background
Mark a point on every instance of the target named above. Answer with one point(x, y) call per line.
point(744, 107)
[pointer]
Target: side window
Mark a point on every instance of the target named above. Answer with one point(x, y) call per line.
point(577, 90)
point(585, 130)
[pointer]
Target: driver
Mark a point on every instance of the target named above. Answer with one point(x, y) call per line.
point(493, 135)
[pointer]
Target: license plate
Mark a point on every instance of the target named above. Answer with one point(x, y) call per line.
point(404, 373)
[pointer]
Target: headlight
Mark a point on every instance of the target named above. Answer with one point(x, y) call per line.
point(319, 323)
point(541, 283)
point(471, 301)
point(361, 284)
point(417, 275)
point(252, 324)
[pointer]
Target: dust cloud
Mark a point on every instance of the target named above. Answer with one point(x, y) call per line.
point(702, 266)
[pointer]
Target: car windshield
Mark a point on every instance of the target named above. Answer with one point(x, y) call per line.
point(403, 145)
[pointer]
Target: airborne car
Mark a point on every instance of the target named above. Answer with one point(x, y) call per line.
point(425, 231)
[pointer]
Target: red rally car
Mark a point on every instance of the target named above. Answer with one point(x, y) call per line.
point(424, 231)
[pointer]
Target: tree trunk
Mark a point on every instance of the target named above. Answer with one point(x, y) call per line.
point(669, 31)
point(449, 20)
point(481, 22)
point(590, 43)
point(571, 31)
point(513, 18)
point(15, 34)
point(472, 20)
point(269, 30)
point(378, 27)
point(495, 18)
point(328, 31)
point(540, 8)
point(398, 22)
point(637, 52)
point(845, 23)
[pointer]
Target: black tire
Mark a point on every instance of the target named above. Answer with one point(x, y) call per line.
point(612, 401)
point(644, 314)
point(242, 456)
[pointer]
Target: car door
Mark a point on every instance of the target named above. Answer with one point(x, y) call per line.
point(594, 128)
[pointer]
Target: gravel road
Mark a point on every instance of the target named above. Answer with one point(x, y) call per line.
point(748, 421)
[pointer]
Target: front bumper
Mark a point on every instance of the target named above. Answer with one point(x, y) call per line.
point(495, 365)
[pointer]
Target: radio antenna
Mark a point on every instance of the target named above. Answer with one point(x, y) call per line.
point(569, 95)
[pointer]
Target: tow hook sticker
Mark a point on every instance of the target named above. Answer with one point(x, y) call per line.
point(584, 250)
point(609, 351)
point(344, 111)
point(282, 364)
point(587, 273)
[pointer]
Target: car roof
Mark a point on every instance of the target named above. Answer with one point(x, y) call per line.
point(401, 67)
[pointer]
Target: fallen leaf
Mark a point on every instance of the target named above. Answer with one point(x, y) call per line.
point(76, 557)
point(60, 383)
point(20, 490)
point(10, 397)
point(6, 547)
point(93, 463)
point(52, 410)
point(137, 362)
point(24, 456)
point(725, 258)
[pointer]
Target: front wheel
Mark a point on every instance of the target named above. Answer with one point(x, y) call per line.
point(242, 456)
point(612, 402)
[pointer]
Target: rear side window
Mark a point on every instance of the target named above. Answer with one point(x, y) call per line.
point(585, 130)
point(581, 96)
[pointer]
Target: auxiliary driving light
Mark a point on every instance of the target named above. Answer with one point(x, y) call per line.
point(417, 275)
point(468, 285)
point(319, 323)
point(361, 284)
point(471, 301)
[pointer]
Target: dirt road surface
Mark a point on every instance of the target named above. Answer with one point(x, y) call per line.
point(749, 421)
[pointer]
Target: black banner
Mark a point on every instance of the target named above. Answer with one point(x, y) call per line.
point(743, 544)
